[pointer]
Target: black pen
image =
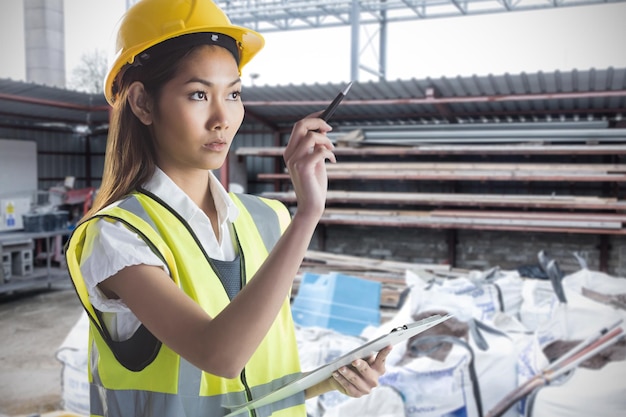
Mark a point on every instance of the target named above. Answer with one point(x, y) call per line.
point(330, 110)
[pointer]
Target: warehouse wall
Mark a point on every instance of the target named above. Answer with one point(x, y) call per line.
point(62, 154)
point(478, 250)
point(243, 171)
point(97, 147)
point(473, 249)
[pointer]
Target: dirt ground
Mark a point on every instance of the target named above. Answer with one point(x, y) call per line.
point(32, 327)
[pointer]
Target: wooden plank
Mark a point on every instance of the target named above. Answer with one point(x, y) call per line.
point(525, 219)
point(470, 215)
point(369, 263)
point(460, 175)
point(575, 217)
point(260, 151)
point(459, 199)
point(504, 149)
point(422, 219)
point(411, 223)
point(498, 218)
point(473, 166)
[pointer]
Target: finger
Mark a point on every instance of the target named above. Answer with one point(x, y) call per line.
point(304, 145)
point(324, 153)
point(352, 382)
point(314, 124)
point(361, 366)
point(322, 141)
point(381, 357)
point(378, 362)
point(361, 375)
point(310, 160)
point(316, 151)
point(340, 383)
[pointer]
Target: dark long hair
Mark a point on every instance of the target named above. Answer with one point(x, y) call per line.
point(130, 158)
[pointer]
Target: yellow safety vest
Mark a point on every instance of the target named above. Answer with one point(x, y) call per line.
point(141, 376)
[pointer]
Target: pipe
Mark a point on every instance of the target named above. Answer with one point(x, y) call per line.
point(53, 103)
point(594, 124)
point(449, 100)
point(507, 133)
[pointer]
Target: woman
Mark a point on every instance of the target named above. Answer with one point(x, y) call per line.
point(187, 286)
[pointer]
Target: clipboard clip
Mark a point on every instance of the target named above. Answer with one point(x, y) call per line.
point(404, 327)
point(426, 321)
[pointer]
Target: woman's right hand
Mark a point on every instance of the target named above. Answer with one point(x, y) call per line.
point(305, 156)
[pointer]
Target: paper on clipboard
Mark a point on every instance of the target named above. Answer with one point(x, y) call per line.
point(308, 379)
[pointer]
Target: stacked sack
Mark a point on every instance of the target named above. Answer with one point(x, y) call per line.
point(504, 353)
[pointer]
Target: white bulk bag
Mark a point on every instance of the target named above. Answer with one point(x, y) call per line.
point(573, 394)
point(72, 353)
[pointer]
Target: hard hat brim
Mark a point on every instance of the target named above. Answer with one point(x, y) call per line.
point(250, 43)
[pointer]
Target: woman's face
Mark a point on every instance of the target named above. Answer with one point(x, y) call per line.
point(198, 112)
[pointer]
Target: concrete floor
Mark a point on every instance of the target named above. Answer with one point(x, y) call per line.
point(32, 327)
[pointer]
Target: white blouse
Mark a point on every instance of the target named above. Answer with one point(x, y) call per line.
point(113, 247)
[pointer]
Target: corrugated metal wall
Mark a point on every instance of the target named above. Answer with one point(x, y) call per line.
point(256, 135)
point(61, 154)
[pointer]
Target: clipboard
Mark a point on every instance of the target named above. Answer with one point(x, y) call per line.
point(309, 379)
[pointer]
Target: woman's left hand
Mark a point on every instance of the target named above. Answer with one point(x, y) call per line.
point(359, 378)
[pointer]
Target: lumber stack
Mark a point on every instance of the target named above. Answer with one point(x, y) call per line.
point(519, 201)
point(588, 179)
point(591, 223)
point(469, 171)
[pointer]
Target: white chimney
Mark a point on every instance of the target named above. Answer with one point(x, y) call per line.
point(44, 40)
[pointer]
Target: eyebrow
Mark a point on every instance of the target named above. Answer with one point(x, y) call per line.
point(208, 83)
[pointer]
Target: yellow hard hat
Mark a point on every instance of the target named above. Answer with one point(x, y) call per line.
point(150, 22)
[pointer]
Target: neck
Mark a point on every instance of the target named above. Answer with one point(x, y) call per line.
point(197, 185)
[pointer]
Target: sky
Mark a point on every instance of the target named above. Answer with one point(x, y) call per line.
point(580, 37)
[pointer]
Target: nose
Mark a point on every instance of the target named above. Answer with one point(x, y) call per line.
point(218, 117)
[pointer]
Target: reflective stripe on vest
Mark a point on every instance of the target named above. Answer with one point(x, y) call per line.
point(264, 217)
point(186, 403)
point(196, 393)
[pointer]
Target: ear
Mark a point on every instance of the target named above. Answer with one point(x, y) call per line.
point(140, 102)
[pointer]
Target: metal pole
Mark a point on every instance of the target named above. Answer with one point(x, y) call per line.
point(382, 45)
point(354, 56)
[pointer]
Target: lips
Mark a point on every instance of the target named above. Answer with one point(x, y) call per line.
point(216, 146)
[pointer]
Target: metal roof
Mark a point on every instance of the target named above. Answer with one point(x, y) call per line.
point(280, 15)
point(33, 106)
point(574, 95)
point(595, 94)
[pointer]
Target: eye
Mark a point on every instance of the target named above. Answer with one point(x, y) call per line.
point(235, 95)
point(198, 95)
